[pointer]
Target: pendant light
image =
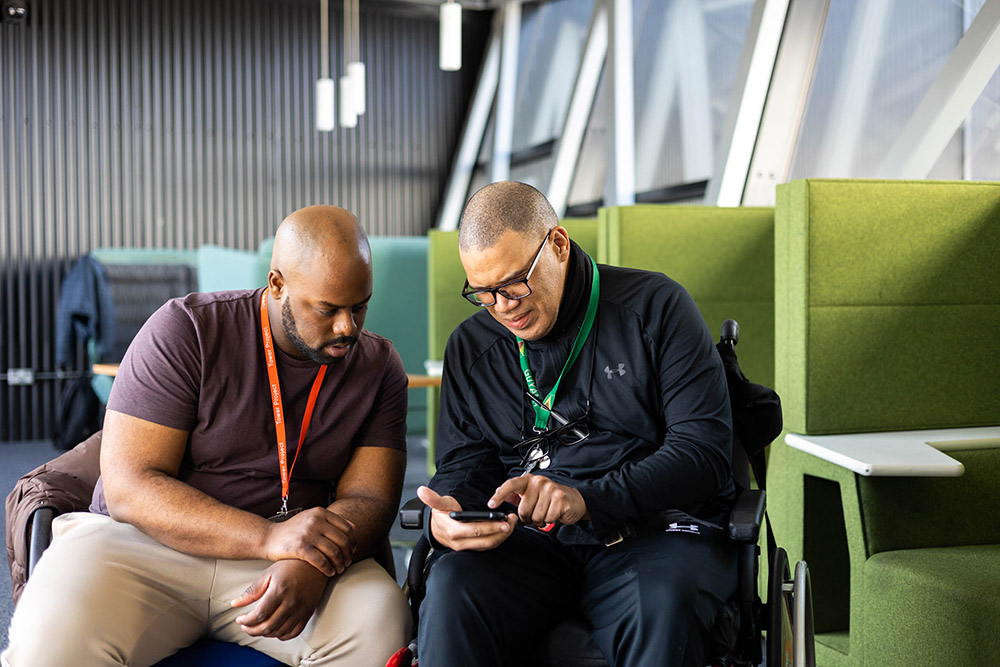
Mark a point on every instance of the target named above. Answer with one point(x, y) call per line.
point(325, 100)
point(450, 47)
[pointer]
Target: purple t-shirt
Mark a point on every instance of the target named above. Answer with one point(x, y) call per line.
point(198, 365)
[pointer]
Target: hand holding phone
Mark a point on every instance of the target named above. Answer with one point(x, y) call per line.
point(489, 515)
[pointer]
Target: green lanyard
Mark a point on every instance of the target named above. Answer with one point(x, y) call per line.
point(542, 413)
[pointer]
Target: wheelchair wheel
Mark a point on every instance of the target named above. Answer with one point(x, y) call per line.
point(790, 637)
point(780, 652)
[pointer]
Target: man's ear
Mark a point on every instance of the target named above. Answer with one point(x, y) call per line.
point(275, 283)
point(560, 239)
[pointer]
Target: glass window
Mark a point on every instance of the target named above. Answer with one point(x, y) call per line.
point(687, 54)
point(876, 61)
point(553, 35)
point(982, 135)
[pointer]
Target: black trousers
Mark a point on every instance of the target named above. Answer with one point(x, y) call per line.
point(651, 599)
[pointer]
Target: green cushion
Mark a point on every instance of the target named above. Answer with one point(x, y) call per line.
point(932, 607)
point(724, 257)
point(885, 294)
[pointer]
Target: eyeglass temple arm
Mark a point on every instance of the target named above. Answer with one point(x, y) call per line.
point(559, 418)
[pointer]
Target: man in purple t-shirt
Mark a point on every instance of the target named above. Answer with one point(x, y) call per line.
point(252, 462)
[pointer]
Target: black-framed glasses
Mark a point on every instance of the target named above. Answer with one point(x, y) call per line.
point(512, 289)
point(534, 451)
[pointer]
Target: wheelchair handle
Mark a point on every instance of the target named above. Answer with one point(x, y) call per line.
point(731, 332)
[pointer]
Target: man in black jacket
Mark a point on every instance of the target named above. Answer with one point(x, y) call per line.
point(590, 404)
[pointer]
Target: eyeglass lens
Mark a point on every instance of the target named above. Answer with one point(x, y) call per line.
point(517, 290)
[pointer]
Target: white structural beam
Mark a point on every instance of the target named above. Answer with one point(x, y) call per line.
point(786, 101)
point(694, 95)
point(619, 184)
point(855, 82)
point(503, 139)
point(739, 135)
point(947, 102)
point(472, 135)
point(567, 150)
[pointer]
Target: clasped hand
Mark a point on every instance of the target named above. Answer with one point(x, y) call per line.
point(539, 500)
point(287, 594)
point(317, 536)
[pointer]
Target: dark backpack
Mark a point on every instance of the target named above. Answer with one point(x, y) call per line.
point(79, 415)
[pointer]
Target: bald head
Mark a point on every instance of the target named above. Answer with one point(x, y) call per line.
point(319, 236)
point(320, 283)
point(502, 206)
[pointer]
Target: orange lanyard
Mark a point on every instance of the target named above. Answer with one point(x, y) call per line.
point(279, 421)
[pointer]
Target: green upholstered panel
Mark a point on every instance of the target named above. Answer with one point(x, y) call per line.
point(398, 308)
point(884, 290)
point(222, 269)
point(724, 257)
point(932, 607)
point(145, 256)
point(445, 277)
point(919, 512)
point(264, 256)
point(901, 367)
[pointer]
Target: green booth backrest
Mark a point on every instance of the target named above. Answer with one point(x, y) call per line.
point(887, 305)
point(724, 257)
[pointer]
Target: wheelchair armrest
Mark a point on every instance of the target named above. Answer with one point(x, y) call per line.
point(747, 516)
point(39, 535)
point(411, 514)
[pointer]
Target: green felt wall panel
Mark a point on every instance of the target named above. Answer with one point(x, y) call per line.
point(901, 367)
point(724, 257)
point(883, 292)
point(892, 243)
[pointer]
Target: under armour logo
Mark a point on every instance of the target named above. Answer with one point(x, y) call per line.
point(620, 370)
point(682, 528)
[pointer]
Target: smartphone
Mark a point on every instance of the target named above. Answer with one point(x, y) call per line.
point(490, 515)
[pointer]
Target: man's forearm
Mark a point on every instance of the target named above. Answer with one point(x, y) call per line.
point(190, 521)
point(372, 518)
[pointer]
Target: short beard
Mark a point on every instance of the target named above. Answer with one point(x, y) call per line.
point(315, 355)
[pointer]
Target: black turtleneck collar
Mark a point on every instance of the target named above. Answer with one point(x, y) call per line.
point(576, 295)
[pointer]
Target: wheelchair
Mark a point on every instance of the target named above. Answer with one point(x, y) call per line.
point(785, 619)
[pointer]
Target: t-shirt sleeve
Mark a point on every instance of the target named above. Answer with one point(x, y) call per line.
point(160, 374)
point(386, 423)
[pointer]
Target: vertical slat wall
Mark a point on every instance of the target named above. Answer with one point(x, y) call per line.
point(175, 124)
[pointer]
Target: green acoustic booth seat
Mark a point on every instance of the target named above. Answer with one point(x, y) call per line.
point(723, 257)
point(884, 292)
point(446, 308)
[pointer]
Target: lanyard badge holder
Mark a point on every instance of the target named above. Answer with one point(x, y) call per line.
point(537, 458)
point(274, 390)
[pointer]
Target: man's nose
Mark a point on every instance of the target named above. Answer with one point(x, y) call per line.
point(344, 324)
point(504, 304)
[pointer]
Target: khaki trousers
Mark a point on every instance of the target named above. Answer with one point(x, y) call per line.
point(106, 594)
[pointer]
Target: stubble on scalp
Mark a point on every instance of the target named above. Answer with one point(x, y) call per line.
point(502, 206)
